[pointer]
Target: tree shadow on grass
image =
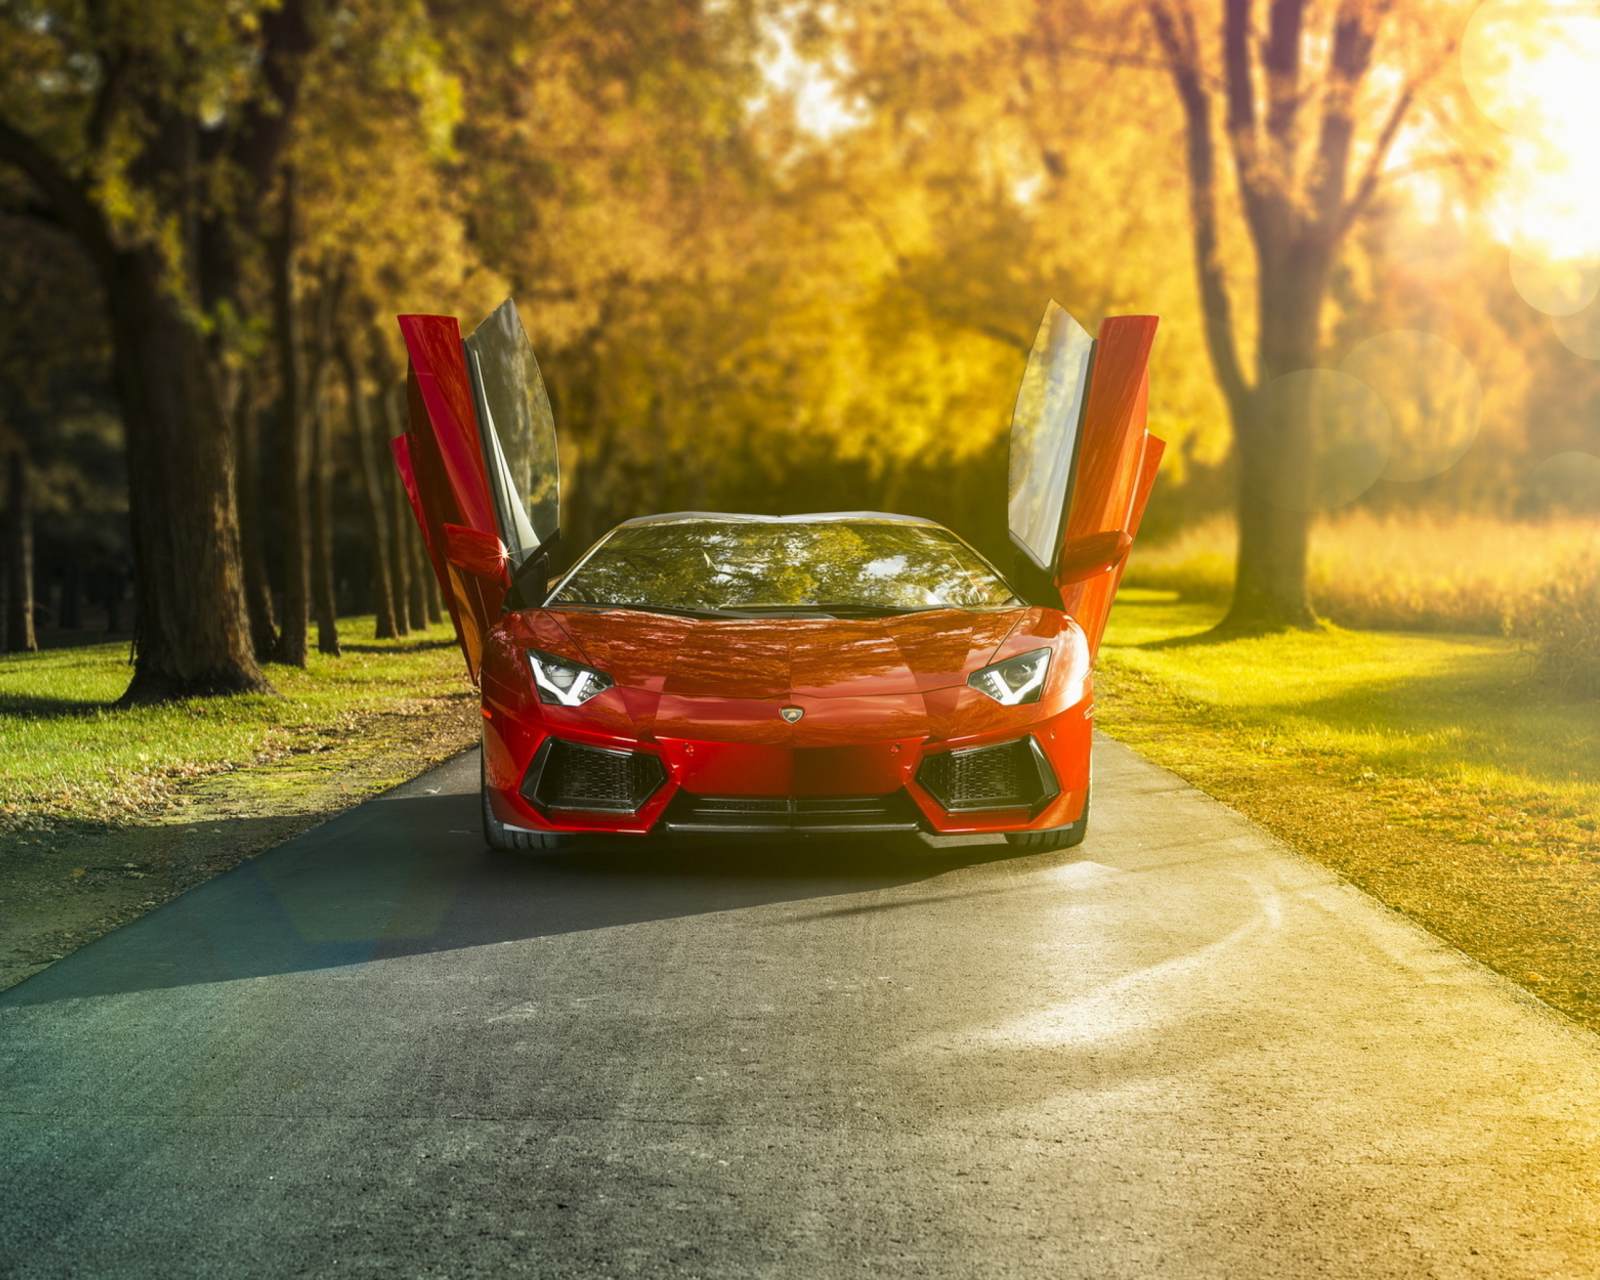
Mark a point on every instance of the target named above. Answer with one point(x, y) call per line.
point(35, 706)
point(1220, 634)
point(397, 646)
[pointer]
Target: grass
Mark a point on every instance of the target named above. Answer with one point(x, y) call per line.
point(1432, 769)
point(67, 754)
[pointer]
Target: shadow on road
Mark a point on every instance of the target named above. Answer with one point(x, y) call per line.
point(409, 874)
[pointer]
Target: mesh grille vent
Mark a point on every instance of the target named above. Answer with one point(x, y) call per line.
point(568, 775)
point(1007, 776)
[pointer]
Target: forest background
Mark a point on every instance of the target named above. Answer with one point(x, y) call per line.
point(774, 257)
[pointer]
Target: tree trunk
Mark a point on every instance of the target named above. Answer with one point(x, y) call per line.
point(398, 516)
point(294, 457)
point(191, 627)
point(404, 543)
point(322, 576)
point(373, 490)
point(1276, 448)
point(432, 601)
point(252, 542)
point(20, 636)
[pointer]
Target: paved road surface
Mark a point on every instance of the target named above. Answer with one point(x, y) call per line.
point(1180, 1051)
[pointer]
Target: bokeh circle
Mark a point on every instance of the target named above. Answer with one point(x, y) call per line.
point(1349, 442)
point(1432, 394)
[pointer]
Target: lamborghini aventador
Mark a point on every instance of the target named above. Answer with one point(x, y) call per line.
point(715, 674)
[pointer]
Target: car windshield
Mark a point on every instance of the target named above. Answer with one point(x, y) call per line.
point(748, 568)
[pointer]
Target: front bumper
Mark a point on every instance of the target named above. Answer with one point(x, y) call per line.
point(574, 776)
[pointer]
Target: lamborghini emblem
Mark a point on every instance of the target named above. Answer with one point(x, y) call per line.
point(791, 714)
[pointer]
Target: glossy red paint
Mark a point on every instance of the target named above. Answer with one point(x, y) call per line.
point(708, 702)
point(876, 697)
point(1107, 494)
point(448, 480)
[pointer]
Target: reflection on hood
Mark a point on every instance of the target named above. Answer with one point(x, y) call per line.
point(821, 657)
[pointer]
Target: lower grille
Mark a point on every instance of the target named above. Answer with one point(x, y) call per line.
point(837, 814)
point(1012, 775)
point(569, 775)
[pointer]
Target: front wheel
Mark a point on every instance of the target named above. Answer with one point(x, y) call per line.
point(1067, 837)
point(503, 839)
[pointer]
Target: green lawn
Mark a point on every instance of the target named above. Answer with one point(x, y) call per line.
point(1437, 716)
point(67, 753)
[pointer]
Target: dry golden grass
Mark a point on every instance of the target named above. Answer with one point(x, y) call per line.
point(1466, 574)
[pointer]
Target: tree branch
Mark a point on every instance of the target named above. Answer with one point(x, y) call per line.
point(1236, 61)
point(1349, 59)
point(1182, 63)
point(1281, 60)
point(1367, 185)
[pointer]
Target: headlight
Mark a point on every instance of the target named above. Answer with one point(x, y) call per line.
point(1016, 680)
point(564, 682)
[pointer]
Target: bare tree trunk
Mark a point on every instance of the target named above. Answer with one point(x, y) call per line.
point(1276, 449)
point(373, 489)
point(20, 636)
point(398, 515)
point(252, 543)
point(422, 595)
point(432, 601)
point(191, 627)
point(409, 609)
point(294, 455)
point(322, 578)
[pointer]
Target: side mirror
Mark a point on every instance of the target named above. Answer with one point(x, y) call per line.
point(481, 554)
point(1084, 558)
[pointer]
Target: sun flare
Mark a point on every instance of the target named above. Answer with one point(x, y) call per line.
point(1534, 70)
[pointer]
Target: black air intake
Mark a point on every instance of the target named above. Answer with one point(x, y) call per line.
point(1012, 775)
point(841, 815)
point(569, 775)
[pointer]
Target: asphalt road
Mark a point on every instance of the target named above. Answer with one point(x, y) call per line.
point(1179, 1051)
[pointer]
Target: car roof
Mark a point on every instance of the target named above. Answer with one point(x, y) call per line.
point(674, 517)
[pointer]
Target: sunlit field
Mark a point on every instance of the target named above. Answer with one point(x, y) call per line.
point(1474, 575)
point(1456, 708)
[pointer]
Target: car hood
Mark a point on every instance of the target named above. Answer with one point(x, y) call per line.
point(775, 657)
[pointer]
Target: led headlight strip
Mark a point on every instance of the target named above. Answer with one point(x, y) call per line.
point(1016, 680)
point(564, 682)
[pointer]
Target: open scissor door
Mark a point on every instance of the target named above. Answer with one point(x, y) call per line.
point(1082, 463)
point(478, 461)
point(519, 447)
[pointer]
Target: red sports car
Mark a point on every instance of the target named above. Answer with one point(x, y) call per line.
point(847, 672)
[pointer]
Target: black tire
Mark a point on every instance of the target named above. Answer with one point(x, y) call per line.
point(1067, 837)
point(501, 838)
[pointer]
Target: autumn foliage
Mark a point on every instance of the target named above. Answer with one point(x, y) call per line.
point(772, 257)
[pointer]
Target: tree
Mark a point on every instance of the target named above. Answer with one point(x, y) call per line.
point(1310, 109)
point(133, 124)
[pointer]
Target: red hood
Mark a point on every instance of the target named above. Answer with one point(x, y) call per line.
point(771, 658)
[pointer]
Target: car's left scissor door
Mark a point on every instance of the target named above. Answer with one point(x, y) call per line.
point(479, 464)
point(440, 458)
